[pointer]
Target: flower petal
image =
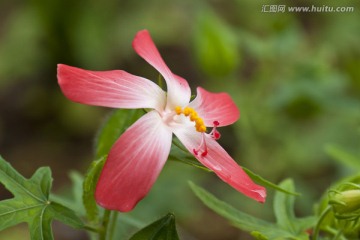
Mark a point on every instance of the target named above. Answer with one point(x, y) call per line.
point(218, 160)
point(215, 107)
point(134, 163)
point(116, 89)
point(178, 89)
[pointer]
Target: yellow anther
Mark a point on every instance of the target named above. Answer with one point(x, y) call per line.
point(201, 128)
point(194, 116)
point(188, 111)
point(199, 125)
point(178, 110)
point(199, 121)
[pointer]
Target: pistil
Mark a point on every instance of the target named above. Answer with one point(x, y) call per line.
point(215, 134)
point(202, 145)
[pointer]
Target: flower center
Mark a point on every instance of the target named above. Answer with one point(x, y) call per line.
point(200, 127)
point(194, 117)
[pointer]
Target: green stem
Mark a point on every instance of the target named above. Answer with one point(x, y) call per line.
point(338, 235)
point(105, 223)
point(334, 232)
point(91, 229)
point(113, 222)
point(322, 217)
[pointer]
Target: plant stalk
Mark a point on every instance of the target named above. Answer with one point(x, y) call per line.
point(322, 217)
point(112, 226)
point(105, 224)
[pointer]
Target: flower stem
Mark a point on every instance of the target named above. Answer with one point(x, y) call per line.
point(113, 222)
point(322, 217)
point(105, 223)
point(91, 229)
point(338, 235)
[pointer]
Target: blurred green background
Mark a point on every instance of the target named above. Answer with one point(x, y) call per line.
point(294, 76)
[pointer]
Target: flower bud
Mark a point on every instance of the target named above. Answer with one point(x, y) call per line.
point(346, 202)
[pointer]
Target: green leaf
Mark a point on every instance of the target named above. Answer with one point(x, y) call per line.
point(31, 203)
point(240, 219)
point(162, 229)
point(258, 235)
point(343, 157)
point(65, 215)
point(284, 212)
point(77, 180)
point(114, 126)
point(89, 186)
point(72, 201)
point(261, 229)
point(268, 184)
point(284, 207)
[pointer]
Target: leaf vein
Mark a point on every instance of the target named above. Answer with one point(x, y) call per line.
point(20, 209)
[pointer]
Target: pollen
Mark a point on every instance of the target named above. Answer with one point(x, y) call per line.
point(178, 110)
point(193, 116)
point(188, 111)
point(200, 128)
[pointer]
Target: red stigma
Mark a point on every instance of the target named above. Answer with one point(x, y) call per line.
point(202, 146)
point(215, 133)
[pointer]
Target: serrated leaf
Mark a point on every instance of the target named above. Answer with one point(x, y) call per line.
point(113, 127)
point(44, 175)
point(267, 183)
point(18, 185)
point(343, 157)
point(240, 219)
point(31, 203)
point(41, 230)
point(89, 186)
point(162, 229)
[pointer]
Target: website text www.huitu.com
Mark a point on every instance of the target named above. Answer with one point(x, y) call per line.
point(305, 9)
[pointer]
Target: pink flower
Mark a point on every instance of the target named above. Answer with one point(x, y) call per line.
point(137, 157)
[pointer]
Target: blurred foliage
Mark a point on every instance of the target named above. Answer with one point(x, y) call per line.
point(294, 76)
